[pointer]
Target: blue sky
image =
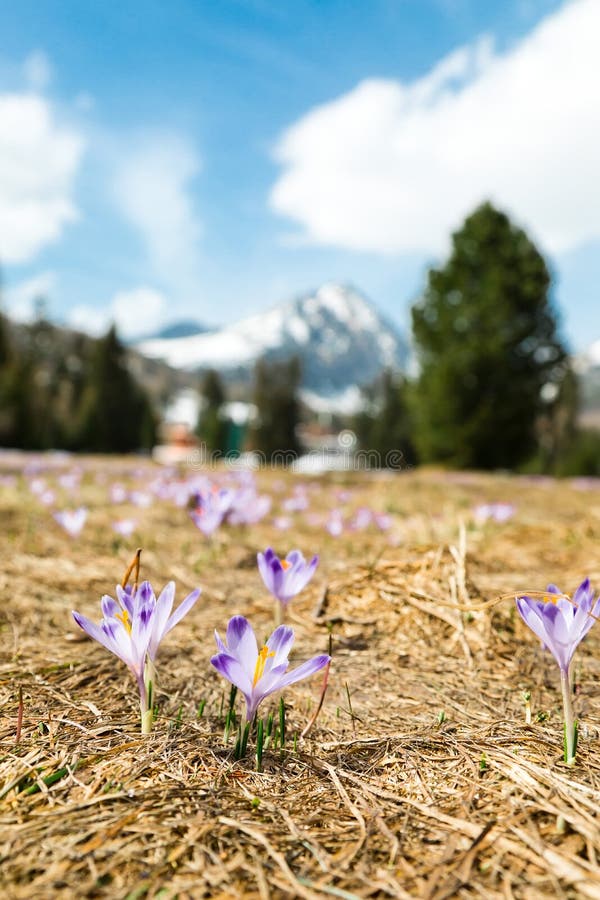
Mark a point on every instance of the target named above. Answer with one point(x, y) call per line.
point(205, 160)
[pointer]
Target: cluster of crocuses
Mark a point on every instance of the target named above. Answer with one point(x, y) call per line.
point(236, 506)
point(561, 623)
point(135, 622)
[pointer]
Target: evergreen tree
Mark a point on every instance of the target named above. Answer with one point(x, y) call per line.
point(115, 416)
point(18, 421)
point(6, 408)
point(486, 340)
point(5, 351)
point(7, 425)
point(276, 397)
point(385, 426)
point(212, 427)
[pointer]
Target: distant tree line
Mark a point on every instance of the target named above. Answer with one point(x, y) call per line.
point(68, 391)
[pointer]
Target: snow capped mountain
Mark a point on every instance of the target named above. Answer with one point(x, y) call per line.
point(339, 336)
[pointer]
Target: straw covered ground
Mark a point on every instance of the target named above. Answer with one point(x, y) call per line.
point(419, 777)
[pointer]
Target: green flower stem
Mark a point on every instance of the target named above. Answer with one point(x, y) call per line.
point(146, 714)
point(570, 725)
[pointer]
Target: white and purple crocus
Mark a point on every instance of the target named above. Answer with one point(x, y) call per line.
point(72, 520)
point(561, 624)
point(284, 578)
point(132, 628)
point(258, 673)
point(210, 509)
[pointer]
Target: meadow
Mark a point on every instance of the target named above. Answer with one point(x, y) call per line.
point(426, 773)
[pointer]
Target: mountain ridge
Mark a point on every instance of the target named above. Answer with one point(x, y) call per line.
point(341, 338)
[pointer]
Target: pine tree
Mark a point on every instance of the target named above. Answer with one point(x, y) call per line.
point(276, 398)
point(486, 340)
point(19, 393)
point(212, 427)
point(385, 426)
point(115, 412)
point(6, 409)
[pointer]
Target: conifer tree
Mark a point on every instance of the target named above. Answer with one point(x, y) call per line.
point(6, 410)
point(212, 427)
point(486, 339)
point(385, 425)
point(276, 397)
point(115, 411)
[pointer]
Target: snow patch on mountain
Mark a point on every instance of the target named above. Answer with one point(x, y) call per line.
point(340, 337)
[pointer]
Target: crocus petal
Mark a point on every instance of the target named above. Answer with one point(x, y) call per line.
point(125, 598)
point(583, 596)
point(141, 630)
point(220, 645)
point(233, 671)
point(241, 642)
point(280, 643)
point(123, 646)
point(183, 608)
point(300, 579)
point(294, 558)
point(109, 606)
point(532, 618)
point(303, 671)
point(95, 632)
point(270, 681)
point(162, 611)
point(263, 560)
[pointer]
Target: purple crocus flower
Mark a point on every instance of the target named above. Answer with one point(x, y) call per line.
point(132, 628)
point(210, 509)
point(282, 523)
point(335, 523)
point(141, 499)
point(259, 673)
point(125, 630)
point(561, 624)
point(497, 512)
point(285, 578)
point(124, 527)
point(72, 520)
point(117, 493)
point(248, 507)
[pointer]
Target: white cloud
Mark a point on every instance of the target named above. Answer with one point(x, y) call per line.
point(136, 313)
point(152, 191)
point(89, 319)
point(393, 167)
point(38, 162)
point(21, 298)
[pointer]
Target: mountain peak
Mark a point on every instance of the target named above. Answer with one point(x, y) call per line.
point(340, 337)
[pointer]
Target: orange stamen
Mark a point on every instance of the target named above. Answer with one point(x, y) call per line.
point(124, 618)
point(259, 669)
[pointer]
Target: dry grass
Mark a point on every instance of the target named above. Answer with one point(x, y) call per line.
point(430, 785)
